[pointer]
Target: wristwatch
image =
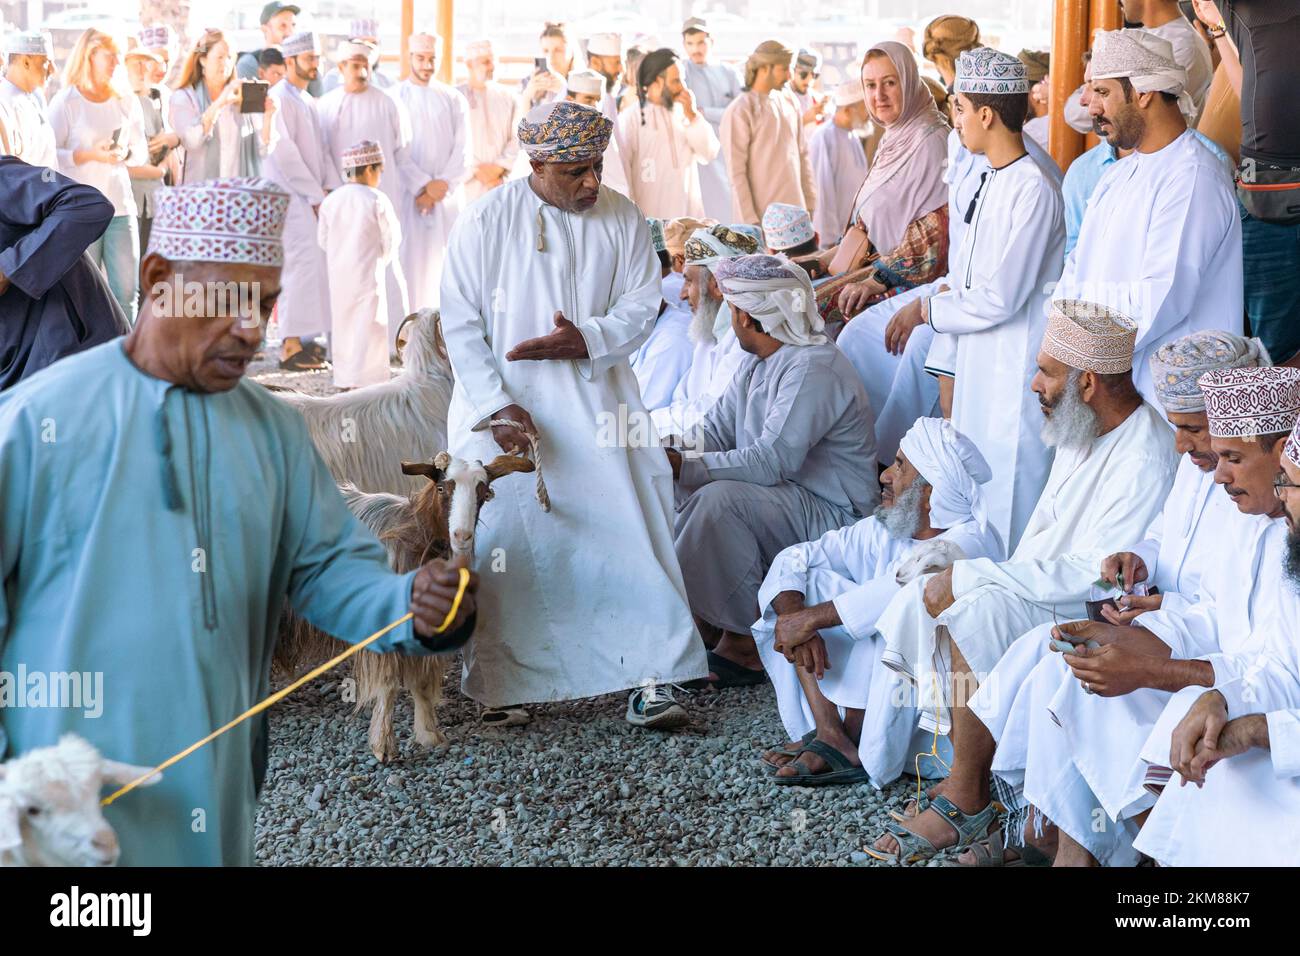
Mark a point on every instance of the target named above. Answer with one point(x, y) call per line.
point(1217, 32)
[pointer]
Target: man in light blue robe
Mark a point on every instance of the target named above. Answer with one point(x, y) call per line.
point(715, 85)
point(156, 511)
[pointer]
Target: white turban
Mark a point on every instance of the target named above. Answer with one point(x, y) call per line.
point(1145, 59)
point(953, 466)
point(777, 293)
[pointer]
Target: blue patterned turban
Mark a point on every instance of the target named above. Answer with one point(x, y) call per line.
point(561, 131)
point(1176, 367)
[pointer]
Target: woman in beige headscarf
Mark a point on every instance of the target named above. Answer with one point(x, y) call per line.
point(899, 234)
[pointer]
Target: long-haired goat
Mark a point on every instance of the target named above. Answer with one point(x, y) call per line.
point(363, 435)
point(49, 805)
point(437, 521)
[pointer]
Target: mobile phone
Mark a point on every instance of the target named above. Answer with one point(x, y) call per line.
point(117, 138)
point(540, 65)
point(252, 97)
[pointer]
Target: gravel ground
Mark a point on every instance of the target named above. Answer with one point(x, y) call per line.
point(576, 786)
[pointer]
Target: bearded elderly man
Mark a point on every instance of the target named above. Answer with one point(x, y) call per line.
point(664, 358)
point(1114, 465)
point(1161, 238)
point(785, 455)
point(1076, 750)
point(551, 284)
point(717, 352)
point(820, 600)
point(1240, 742)
point(207, 491)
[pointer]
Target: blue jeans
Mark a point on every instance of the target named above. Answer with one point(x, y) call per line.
point(1271, 256)
point(117, 252)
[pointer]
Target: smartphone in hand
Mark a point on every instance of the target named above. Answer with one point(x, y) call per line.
point(540, 64)
point(252, 96)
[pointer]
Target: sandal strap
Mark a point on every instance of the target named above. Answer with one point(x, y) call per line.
point(834, 759)
point(969, 827)
point(910, 844)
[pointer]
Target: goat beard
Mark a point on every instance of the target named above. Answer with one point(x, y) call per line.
point(703, 317)
point(1073, 424)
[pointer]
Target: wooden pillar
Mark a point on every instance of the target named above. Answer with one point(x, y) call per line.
point(446, 22)
point(1069, 40)
point(408, 27)
point(1104, 15)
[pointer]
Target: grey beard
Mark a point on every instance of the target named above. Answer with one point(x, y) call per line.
point(1291, 566)
point(1072, 424)
point(902, 519)
point(702, 318)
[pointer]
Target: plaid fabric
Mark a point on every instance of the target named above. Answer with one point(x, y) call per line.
point(921, 257)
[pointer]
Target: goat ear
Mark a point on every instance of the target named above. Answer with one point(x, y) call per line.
point(442, 460)
point(432, 472)
point(10, 837)
point(120, 774)
point(505, 465)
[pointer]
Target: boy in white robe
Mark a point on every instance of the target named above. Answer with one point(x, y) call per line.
point(360, 234)
point(1010, 256)
point(820, 599)
point(1076, 750)
point(945, 633)
point(1161, 237)
point(550, 285)
point(440, 150)
point(784, 456)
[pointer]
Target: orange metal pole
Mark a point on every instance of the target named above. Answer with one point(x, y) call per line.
point(1069, 40)
point(408, 27)
point(446, 23)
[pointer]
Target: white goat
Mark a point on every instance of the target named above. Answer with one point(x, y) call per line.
point(49, 805)
point(363, 435)
point(927, 558)
point(436, 522)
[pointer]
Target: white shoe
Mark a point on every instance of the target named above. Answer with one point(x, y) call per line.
point(653, 707)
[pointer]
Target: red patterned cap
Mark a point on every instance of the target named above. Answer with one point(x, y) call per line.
point(238, 220)
point(1244, 402)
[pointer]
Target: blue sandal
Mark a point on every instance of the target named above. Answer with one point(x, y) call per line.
point(914, 848)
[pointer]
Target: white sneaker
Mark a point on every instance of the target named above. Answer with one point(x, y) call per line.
point(653, 707)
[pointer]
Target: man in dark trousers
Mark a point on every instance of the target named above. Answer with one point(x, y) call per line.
point(53, 300)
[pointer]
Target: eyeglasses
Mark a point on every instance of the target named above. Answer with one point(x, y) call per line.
point(1282, 482)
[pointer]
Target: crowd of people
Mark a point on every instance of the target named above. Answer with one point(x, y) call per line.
point(968, 458)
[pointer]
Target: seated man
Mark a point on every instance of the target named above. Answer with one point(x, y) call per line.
point(784, 456)
point(178, 440)
point(788, 230)
point(1073, 740)
point(817, 636)
point(663, 358)
point(950, 629)
point(717, 352)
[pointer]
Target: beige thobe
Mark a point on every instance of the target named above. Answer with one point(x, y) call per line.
point(767, 155)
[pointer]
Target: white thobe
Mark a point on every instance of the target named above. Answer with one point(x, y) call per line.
point(663, 156)
point(360, 233)
point(900, 389)
point(854, 568)
point(298, 161)
point(713, 367)
point(715, 86)
point(839, 164)
point(27, 126)
point(1161, 243)
point(550, 627)
point(1245, 814)
point(1000, 277)
point(440, 149)
point(665, 357)
point(347, 119)
point(492, 121)
point(1090, 502)
point(1021, 699)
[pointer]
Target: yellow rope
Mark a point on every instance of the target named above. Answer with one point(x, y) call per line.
point(286, 691)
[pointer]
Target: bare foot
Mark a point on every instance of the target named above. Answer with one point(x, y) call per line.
point(816, 764)
point(930, 825)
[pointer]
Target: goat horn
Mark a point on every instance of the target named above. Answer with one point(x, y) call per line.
point(432, 472)
point(507, 464)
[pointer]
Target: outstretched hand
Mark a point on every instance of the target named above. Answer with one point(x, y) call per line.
point(565, 342)
point(434, 592)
